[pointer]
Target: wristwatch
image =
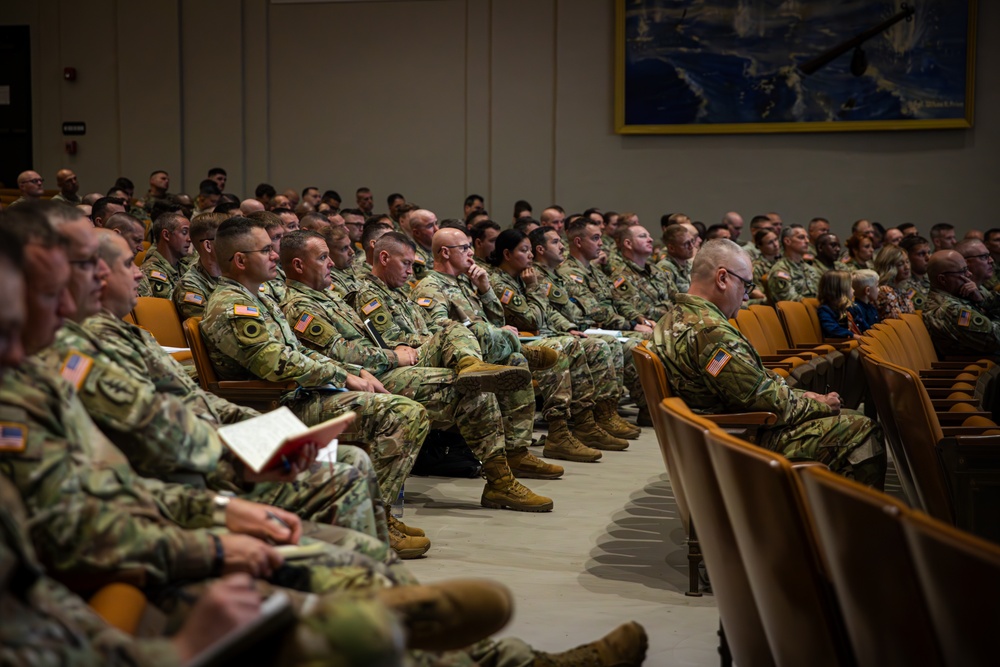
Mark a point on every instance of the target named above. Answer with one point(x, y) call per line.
point(219, 505)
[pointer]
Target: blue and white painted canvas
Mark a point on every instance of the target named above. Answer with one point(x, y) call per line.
point(703, 66)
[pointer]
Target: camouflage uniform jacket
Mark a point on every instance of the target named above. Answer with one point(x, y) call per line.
point(248, 338)
point(917, 288)
point(555, 289)
point(325, 322)
point(992, 284)
point(593, 292)
point(161, 274)
point(274, 289)
point(716, 370)
point(43, 623)
point(751, 250)
point(647, 288)
point(346, 282)
point(615, 259)
point(192, 291)
point(959, 327)
point(398, 321)
point(679, 274)
point(792, 281)
point(91, 513)
point(456, 298)
point(72, 200)
point(423, 261)
point(159, 434)
point(528, 310)
point(851, 265)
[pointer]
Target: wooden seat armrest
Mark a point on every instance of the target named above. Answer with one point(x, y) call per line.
point(939, 383)
point(953, 365)
point(945, 404)
point(985, 362)
point(805, 354)
point(256, 385)
point(951, 431)
point(958, 418)
point(935, 373)
point(743, 419)
point(774, 365)
point(992, 440)
point(779, 358)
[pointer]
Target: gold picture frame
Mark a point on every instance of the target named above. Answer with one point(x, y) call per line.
point(725, 67)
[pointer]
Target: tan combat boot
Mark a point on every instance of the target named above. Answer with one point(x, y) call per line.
point(589, 433)
point(502, 490)
point(625, 646)
point(406, 546)
point(539, 358)
point(476, 377)
point(412, 531)
point(449, 615)
point(560, 444)
point(526, 465)
point(606, 416)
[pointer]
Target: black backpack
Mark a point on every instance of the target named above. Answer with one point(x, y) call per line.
point(446, 454)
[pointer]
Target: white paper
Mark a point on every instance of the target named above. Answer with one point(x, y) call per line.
point(255, 440)
point(171, 350)
point(605, 332)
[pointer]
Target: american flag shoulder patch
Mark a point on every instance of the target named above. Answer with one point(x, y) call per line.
point(620, 281)
point(75, 367)
point(425, 301)
point(13, 436)
point(303, 322)
point(508, 294)
point(193, 297)
point(159, 275)
point(576, 278)
point(783, 275)
point(964, 317)
point(370, 306)
point(548, 289)
point(246, 311)
point(718, 362)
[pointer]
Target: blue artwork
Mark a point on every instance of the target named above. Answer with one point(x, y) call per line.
point(696, 64)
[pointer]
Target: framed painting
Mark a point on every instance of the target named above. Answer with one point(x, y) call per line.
point(749, 66)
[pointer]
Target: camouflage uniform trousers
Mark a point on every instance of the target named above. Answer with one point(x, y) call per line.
point(477, 416)
point(344, 493)
point(849, 443)
point(629, 373)
point(584, 383)
point(494, 346)
point(394, 426)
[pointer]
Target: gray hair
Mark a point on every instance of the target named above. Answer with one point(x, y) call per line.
point(713, 254)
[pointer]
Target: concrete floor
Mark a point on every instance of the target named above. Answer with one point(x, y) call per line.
point(611, 551)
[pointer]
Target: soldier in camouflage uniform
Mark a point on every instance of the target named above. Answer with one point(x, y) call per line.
point(644, 286)
point(420, 227)
point(954, 312)
point(595, 294)
point(676, 264)
point(400, 324)
point(273, 289)
point(248, 338)
point(324, 322)
point(346, 277)
point(715, 370)
point(595, 364)
point(198, 282)
point(918, 250)
point(171, 242)
point(792, 278)
point(167, 427)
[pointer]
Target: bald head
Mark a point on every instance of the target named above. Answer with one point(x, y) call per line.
point(721, 273)
point(446, 237)
point(944, 263)
point(30, 184)
point(250, 205)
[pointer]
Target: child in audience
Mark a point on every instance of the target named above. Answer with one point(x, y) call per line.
point(865, 310)
point(835, 315)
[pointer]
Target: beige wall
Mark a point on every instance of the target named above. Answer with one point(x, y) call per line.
point(438, 98)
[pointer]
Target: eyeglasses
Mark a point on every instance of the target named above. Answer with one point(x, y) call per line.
point(266, 250)
point(982, 257)
point(962, 272)
point(465, 247)
point(37, 181)
point(748, 285)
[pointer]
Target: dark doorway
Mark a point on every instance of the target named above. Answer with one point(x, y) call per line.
point(15, 103)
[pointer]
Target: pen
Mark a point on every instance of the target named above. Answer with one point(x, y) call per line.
point(277, 519)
